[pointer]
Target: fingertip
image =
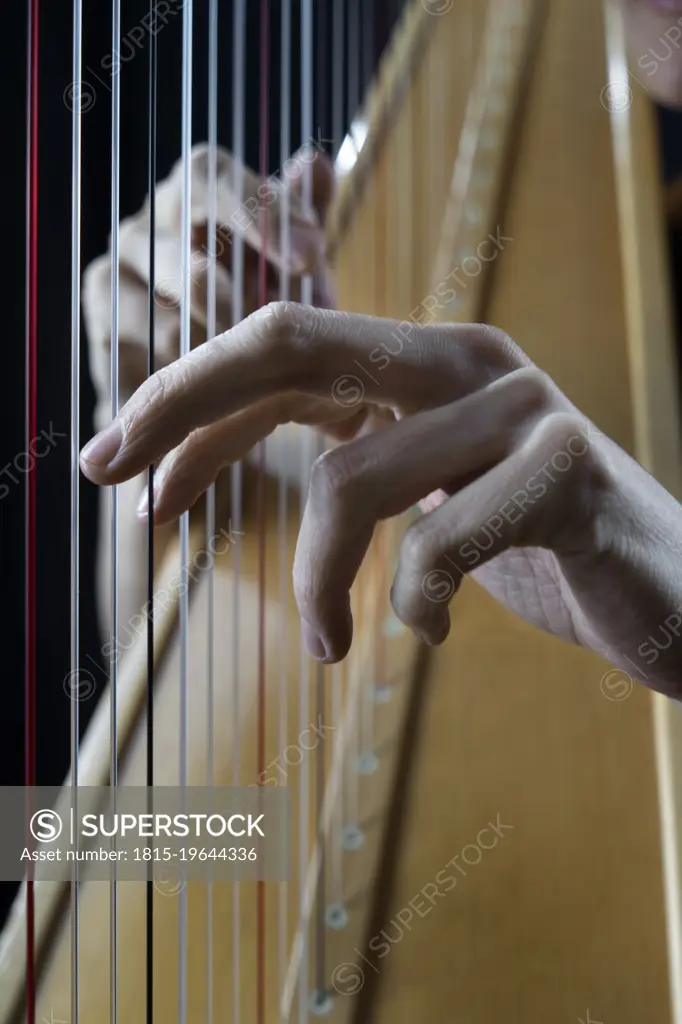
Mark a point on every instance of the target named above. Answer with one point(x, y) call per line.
point(165, 511)
point(313, 642)
point(435, 632)
point(328, 643)
point(100, 452)
point(439, 629)
point(340, 635)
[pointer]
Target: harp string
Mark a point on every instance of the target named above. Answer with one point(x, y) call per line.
point(351, 785)
point(353, 59)
point(262, 511)
point(238, 101)
point(76, 178)
point(149, 908)
point(336, 891)
point(320, 906)
point(211, 330)
point(368, 42)
point(378, 679)
point(114, 332)
point(185, 344)
point(304, 705)
point(338, 46)
point(320, 753)
point(352, 823)
point(283, 486)
point(113, 664)
point(31, 432)
point(336, 873)
point(366, 761)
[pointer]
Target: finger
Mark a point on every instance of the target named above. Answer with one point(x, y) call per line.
point(190, 469)
point(313, 162)
point(353, 487)
point(185, 473)
point(531, 499)
point(284, 348)
point(133, 330)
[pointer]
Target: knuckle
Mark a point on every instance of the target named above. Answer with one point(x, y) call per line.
point(595, 465)
point(199, 157)
point(562, 426)
point(588, 480)
point(534, 386)
point(419, 549)
point(280, 313)
point(276, 321)
point(500, 349)
point(332, 478)
point(587, 460)
point(202, 158)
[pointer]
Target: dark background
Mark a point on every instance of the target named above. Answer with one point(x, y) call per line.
point(367, 25)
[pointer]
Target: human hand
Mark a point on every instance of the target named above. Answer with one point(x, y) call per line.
point(518, 488)
point(241, 198)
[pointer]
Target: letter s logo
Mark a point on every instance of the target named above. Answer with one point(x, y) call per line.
point(46, 826)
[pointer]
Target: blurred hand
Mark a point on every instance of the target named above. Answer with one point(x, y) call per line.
point(294, 244)
point(518, 487)
point(238, 215)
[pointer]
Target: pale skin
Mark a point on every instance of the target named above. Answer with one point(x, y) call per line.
point(518, 488)
point(596, 561)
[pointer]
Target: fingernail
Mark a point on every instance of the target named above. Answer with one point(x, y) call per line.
point(313, 643)
point(104, 447)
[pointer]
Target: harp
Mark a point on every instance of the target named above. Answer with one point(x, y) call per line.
point(515, 121)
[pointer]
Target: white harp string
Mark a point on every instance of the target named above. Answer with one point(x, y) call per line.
point(367, 761)
point(113, 672)
point(211, 331)
point(151, 313)
point(336, 887)
point(185, 344)
point(238, 101)
point(77, 73)
point(352, 779)
point(354, 63)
